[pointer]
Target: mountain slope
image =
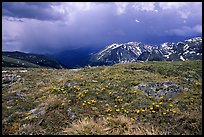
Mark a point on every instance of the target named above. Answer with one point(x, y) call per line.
point(139, 52)
point(12, 62)
point(20, 59)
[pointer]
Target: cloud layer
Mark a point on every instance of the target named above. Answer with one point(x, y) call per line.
point(50, 27)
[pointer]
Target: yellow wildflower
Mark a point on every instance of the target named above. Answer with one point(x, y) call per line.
point(151, 108)
point(93, 101)
point(117, 110)
point(89, 102)
point(118, 96)
point(161, 97)
point(170, 105)
point(153, 111)
point(174, 111)
point(110, 93)
point(150, 96)
point(153, 103)
point(115, 106)
point(62, 104)
point(157, 105)
point(164, 113)
point(170, 99)
point(143, 110)
point(74, 86)
point(160, 103)
point(121, 100)
point(85, 118)
point(109, 110)
point(197, 83)
point(138, 111)
point(132, 119)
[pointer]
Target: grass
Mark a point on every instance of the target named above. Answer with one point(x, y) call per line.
point(103, 100)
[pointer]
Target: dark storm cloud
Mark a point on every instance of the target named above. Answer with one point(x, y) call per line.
point(33, 10)
point(51, 27)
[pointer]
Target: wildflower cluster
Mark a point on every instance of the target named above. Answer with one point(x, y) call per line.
point(62, 90)
point(115, 103)
point(89, 102)
point(118, 99)
point(161, 106)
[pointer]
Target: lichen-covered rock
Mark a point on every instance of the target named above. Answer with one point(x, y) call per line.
point(8, 79)
point(167, 89)
point(71, 114)
point(70, 84)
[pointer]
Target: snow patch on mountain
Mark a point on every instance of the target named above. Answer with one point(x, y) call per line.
point(181, 57)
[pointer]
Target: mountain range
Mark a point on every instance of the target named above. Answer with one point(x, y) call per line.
point(190, 49)
point(139, 52)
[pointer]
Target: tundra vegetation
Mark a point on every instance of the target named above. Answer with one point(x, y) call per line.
point(146, 98)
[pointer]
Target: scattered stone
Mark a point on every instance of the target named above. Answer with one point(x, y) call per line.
point(4, 71)
point(23, 71)
point(94, 81)
point(8, 107)
point(35, 113)
point(19, 95)
point(71, 114)
point(9, 79)
point(70, 84)
point(167, 89)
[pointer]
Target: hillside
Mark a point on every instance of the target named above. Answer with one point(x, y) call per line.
point(133, 98)
point(27, 60)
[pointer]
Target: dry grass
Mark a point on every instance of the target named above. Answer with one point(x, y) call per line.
point(119, 125)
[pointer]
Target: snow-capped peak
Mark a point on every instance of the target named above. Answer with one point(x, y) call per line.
point(194, 39)
point(138, 51)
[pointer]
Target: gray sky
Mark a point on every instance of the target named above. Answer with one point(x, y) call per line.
point(44, 27)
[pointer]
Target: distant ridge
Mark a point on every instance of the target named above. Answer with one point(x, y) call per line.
point(20, 59)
